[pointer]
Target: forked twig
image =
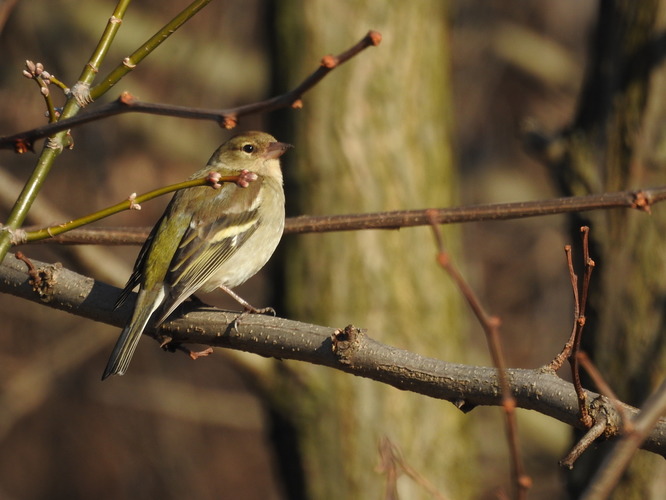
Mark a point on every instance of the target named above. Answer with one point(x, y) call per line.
point(572, 346)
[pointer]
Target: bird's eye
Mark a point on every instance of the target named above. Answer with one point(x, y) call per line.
point(248, 148)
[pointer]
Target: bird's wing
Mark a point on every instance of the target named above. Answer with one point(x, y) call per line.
point(213, 234)
point(135, 278)
point(195, 237)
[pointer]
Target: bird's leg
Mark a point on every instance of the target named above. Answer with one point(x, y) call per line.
point(249, 308)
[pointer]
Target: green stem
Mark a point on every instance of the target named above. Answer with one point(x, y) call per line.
point(58, 83)
point(153, 42)
point(42, 234)
point(112, 27)
point(27, 196)
point(54, 145)
point(50, 108)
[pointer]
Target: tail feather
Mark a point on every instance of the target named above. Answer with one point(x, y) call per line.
point(146, 304)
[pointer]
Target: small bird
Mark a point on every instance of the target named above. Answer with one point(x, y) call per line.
point(207, 238)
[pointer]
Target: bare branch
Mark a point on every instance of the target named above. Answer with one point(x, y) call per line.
point(133, 202)
point(580, 321)
point(227, 118)
point(465, 386)
point(404, 218)
point(490, 325)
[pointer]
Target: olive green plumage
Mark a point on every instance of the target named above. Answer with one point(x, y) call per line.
point(207, 238)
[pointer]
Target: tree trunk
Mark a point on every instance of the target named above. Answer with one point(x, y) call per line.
point(376, 136)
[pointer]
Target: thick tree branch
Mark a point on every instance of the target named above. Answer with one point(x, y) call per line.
point(347, 350)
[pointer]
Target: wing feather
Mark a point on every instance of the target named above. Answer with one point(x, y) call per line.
point(200, 237)
point(206, 249)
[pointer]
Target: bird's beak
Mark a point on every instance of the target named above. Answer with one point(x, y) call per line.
point(276, 149)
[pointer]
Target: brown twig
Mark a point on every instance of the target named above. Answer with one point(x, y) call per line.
point(42, 279)
point(559, 360)
point(404, 218)
point(572, 346)
point(584, 443)
point(578, 331)
point(599, 423)
point(490, 325)
point(33, 272)
point(227, 118)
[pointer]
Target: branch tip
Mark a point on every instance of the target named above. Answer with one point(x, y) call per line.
point(525, 482)
point(375, 37)
point(165, 343)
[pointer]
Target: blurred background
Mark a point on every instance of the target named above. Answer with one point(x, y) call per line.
point(431, 117)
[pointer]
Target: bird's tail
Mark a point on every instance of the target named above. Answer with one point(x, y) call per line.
point(146, 304)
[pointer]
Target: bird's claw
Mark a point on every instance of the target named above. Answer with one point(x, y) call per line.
point(252, 310)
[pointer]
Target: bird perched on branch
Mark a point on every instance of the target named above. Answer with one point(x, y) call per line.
point(208, 238)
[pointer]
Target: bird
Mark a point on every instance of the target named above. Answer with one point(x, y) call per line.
point(207, 238)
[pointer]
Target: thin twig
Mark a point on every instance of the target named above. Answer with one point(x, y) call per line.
point(227, 118)
point(132, 203)
point(406, 218)
point(490, 325)
point(584, 443)
point(559, 360)
point(59, 140)
point(572, 346)
point(147, 48)
point(578, 331)
point(89, 71)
